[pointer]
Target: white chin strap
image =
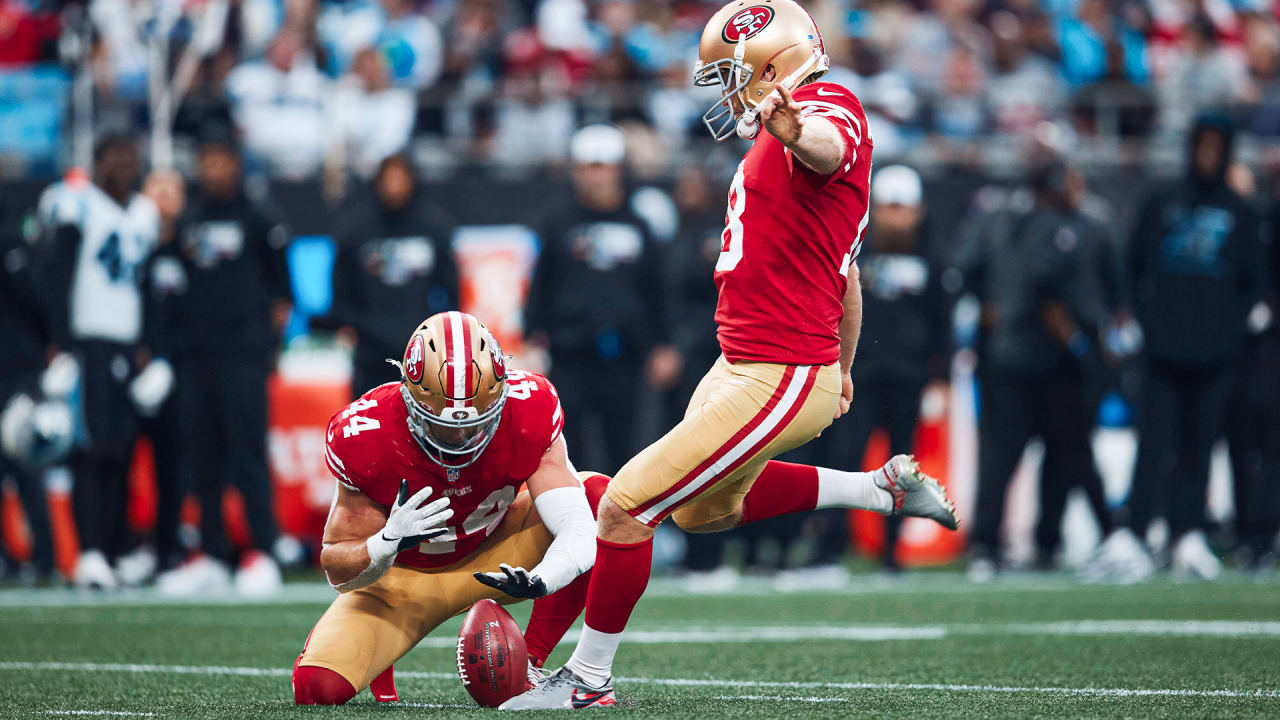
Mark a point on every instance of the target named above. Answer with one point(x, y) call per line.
point(748, 127)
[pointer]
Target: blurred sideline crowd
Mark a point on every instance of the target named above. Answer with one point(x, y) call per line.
point(319, 87)
point(153, 303)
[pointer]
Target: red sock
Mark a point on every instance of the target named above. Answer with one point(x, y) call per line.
point(383, 687)
point(552, 617)
point(781, 489)
point(554, 614)
point(320, 686)
point(617, 582)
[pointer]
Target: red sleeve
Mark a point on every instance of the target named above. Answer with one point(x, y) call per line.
point(841, 108)
point(337, 454)
point(554, 412)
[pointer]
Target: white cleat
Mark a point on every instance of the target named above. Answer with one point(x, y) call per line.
point(563, 690)
point(1193, 560)
point(723, 579)
point(916, 494)
point(1122, 559)
point(93, 572)
point(137, 567)
point(201, 575)
point(258, 576)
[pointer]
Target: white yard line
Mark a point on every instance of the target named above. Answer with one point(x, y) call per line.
point(679, 682)
point(781, 698)
point(931, 583)
point(101, 712)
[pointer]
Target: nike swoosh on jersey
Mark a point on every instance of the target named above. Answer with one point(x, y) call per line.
point(824, 93)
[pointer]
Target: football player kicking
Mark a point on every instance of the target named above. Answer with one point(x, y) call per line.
point(428, 502)
point(789, 314)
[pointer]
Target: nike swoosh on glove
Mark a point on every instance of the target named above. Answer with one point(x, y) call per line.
point(410, 524)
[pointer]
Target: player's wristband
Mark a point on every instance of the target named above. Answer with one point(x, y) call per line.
point(382, 553)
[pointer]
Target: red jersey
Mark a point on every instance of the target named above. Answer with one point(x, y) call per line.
point(369, 449)
point(790, 235)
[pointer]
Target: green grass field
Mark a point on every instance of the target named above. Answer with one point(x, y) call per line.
point(928, 645)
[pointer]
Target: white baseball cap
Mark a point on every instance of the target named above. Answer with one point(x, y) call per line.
point(897, 185)
point(598, 144)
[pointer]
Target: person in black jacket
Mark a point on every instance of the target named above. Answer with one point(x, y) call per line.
point(236, 303)
point(1037, 267)
point(596, 304)
point(1194, 266)
point(904, 341)
point(1253, 427)
point(394, 267)
point(30, 333)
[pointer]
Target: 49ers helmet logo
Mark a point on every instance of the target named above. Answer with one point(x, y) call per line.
point(747, 23)
point(499, 360)
point(414, 356)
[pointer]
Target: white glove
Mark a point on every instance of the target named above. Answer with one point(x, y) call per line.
point(407, 525)
point(61, 377)
point(149, 390)
point(410, 524)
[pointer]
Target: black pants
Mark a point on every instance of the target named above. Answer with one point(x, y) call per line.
point(890, 404)
point(1015, 408)
point(101, 468)
point(35, 502)
point(225, 422)
point(599, 399)
point(173, 481)
point(1253, 435)
point(1181, 413)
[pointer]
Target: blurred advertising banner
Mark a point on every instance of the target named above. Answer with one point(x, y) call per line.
point(495, 266)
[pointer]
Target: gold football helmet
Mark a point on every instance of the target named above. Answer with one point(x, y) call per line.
point(748, 48)
point(453, 379)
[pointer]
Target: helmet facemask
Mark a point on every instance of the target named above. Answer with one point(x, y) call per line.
point(732, 76)
point(457, 437)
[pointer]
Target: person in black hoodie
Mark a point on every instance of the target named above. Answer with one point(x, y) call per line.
point(395, 267)
point(235, 306)
point(1194, 266)
point(597, 303)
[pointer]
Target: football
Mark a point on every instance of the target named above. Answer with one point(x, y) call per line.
point(492, 658)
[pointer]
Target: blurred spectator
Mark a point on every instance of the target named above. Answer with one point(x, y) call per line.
point(374, 119)
point(960, 111)
point(394, 269)
point(906, 317)
point(534, 122)
point(99, 235)
point(1262, 55)
point(692, 307)
point(30, 331)
point(1084, 39)
point(1114, 104)
point(1033, 266)
point(236, 302)
point(164, 286)
point(597, 305)
point(1195, 264)
point(409, 42)
point(1253, 412)
point(1202, 75)
point(1026, 89)
point(279, 106)
point(28, 32)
